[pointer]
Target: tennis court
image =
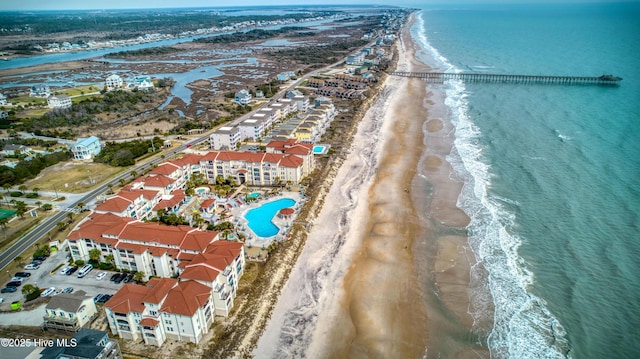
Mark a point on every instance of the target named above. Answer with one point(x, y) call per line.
point(7, 213)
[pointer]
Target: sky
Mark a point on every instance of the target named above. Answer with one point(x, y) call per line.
point(144, 4)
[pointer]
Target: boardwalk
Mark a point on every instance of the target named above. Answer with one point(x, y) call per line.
point(440, 77)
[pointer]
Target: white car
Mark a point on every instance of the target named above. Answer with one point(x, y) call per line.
point(101, 275)
point(17, 279)
point(47, 292)
point(32, 267)
point(64, 270)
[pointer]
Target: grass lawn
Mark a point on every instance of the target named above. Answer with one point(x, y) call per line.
point(23, 100)
point(80, 90)
point(75, 100)
point(73, 176)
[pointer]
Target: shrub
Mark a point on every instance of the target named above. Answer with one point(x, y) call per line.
point(32, 195)
point(16, 194)
point(79, 262)
point(33, 295)
point(106, 266)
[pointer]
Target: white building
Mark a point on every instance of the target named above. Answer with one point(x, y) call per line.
point(242, 97)
point(252, 128)
point(59, 101)
point(40, 91)
point(113, 82)
point(86, 148)
point(225, 138)
point(256, 169)
point(3, 100)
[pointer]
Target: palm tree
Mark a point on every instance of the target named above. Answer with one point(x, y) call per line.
point(21, 208)
point(22, 188)
point(94, 254)
point(18, 260)
point(81, 206)
point(138, 276)
point(6, 187)
point(134, 173)
point(109, 258)
point(61, 226)
point(36, 190)
point(70, 216)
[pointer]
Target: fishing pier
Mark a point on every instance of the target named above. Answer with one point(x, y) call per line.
point(441, 77)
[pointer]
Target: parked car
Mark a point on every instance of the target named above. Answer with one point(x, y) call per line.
point(36, 262)
point(47, 292)
point(97, 298)
point(120, 278)
point(31, 267)
point(67, 290)
point(65, 269)
point(14, 284)
point(8, 289)
point(128, 278)
point(114, 276)
point(104, 298)
point(72, 270)
point(23, 274)
point(17, 279)
point(101, 275)
point(40, 258)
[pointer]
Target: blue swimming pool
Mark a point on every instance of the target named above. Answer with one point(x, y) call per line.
point(259, 219)
point(320, 149)
point(253, 195)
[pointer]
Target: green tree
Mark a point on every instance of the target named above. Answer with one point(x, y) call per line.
point(28, 289)
point(22, 188)
point(109, 258)
point(46, 207)
point(94, 254)
point(80, 206)
point(18, 260)
point(21, 208)
point(138, 276)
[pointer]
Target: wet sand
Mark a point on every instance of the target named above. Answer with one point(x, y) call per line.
point(405, 294)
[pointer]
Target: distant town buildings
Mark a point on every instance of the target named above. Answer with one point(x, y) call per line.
point(3, 100)
point(86, 148)
point(286, 76)
point(59, 101)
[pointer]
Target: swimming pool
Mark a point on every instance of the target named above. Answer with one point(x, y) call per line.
point(253, 195)
point(259, 219)
point(320, 149)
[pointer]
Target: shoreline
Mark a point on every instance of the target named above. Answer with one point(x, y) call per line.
point(411, 241)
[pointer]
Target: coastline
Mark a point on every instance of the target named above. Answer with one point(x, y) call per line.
point(412, 241)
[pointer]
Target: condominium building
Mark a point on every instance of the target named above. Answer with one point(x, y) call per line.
point(226, 137)
point(257, 169)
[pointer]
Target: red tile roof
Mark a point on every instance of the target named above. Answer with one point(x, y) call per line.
point(225, 248)
point(207, 203)
point(114, 204)
point(175, 198)
point(149, 322)
point(159, 289)
point(98, 224)
point(128, 299)
point(188, 159)
point(186, 298)
point(166, 168)
point(158, 181)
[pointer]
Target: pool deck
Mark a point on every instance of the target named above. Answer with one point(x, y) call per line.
point(252, 239)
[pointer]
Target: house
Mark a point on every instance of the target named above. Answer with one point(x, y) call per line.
point(226, 137)
point(12, 150)
point(242, 97)
point(4, 115)
point(316, 83)
point(40, 91)
point(3, 100)
point(141, 82)
point(86, 148)
point(69, 311)
point(86, 344)
point(286, 76)
point(59, 101)
point(113, 82)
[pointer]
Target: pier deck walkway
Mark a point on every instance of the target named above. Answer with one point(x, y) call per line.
point(439, 77)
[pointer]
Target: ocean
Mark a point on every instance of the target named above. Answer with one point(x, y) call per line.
point(552, 172)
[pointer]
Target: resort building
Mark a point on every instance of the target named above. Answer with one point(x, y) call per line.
point(69, 311)
point(88, 344)
point(40, 91)
point(253, 128)
point(242, 97)
point(86, 148)
point(113, 82)
point(59, 101)
point(180, 308)
point(301, 150)
point(256, 169)
point(137, 204)
point(226, 137)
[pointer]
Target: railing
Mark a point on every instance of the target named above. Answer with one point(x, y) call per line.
point(439, 77)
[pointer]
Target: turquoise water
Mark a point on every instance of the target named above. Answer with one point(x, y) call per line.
point(552, 172)
point(318, 149)
point(253, 195)
point(259, 219)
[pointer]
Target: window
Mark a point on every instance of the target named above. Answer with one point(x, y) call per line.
point(169, 329)
point(167, 322)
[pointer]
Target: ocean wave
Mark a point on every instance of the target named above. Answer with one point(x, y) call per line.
point(523, 327)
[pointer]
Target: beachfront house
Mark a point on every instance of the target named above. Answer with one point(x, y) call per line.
point(3, 99)
point(69, 311)
point(59, 101)
point(86, 148)
point(141, 82)
point(86, 344)
point(113, 82)
point(242, 97)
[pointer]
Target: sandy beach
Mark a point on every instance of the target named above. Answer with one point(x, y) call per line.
point(390, 279)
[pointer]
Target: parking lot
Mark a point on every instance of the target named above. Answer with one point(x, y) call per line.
point(43, 279)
